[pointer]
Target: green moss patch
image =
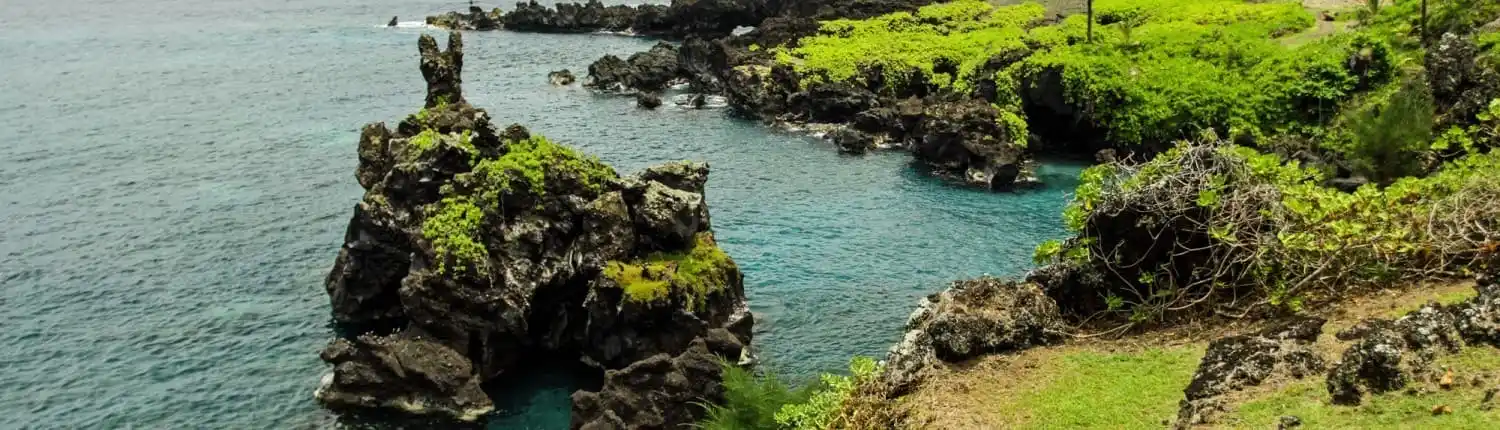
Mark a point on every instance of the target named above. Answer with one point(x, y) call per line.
point(694, 274)
point(452, 226)
point(533, 163)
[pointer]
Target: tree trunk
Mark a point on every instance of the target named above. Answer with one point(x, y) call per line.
point(1091, 19)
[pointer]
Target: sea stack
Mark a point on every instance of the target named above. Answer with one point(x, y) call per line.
point(474, 247)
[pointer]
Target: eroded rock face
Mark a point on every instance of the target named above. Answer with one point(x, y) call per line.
point(965, 139)
point(404, 372)
point(1235, 362)
point(481, 262)
point(1461, 85)
point(969, 319)
point(648, 71)
point(693, 376)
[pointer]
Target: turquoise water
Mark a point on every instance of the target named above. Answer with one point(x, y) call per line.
point(176, 177)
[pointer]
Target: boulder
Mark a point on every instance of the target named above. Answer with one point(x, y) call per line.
point(851, 141)
point(969, 319)
point(561, 77)
point(647, 100)
point(476, 19)
point(609, 73)
point(1235, 362)
point(652, 70)
point(403, 372)
point(665, 217)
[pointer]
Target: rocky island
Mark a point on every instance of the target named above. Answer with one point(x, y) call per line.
point(476, 249)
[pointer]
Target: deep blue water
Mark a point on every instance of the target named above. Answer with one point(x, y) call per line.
point(175, 179)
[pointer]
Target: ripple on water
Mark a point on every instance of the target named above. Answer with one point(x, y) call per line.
point(176, 183)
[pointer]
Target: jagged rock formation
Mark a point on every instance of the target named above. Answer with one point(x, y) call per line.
point(1462, 86)
point(486, 246)
point(690, 377)
point(971, 318)
point(476, 19)
point(680, 19)
point(648, 71)
point(1235, 362)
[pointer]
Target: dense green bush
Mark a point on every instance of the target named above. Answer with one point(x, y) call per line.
point(1203, 228)
point(1389, 134)
point(751, 401)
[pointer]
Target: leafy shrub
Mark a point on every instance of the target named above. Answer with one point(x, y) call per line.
point(821, 410)
point(1226, 227)
point(529, 162)
point(1389, 133)
point(452, 226)
point(751, 401)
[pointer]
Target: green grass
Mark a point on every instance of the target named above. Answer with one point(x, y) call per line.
point(1308, 400)
point(1446, 298)
point(1110, 390)
point(702, 270)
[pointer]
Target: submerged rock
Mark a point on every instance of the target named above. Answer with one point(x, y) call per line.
point(647, 100)
point(561, 77)
point(1235, 362)
point(969, 319)
point(485, 247)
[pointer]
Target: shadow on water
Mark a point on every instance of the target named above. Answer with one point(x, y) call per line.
point(539, 394)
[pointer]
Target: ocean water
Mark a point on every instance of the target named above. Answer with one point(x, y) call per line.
point(175, 179)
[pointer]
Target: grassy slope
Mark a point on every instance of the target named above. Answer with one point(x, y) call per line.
point(1125, 384)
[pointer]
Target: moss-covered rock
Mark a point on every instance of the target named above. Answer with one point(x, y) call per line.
point(487, 246)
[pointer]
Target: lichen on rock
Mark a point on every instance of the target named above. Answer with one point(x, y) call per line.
point(1235, 362)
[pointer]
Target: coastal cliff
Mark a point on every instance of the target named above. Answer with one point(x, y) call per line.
point(475, 248)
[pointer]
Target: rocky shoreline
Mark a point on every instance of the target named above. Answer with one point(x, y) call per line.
point(475, 247)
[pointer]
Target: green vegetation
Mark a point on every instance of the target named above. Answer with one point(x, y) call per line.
point(453, 227)
point(1236, 221)
point(821, 411)
point(529, 163)
point(1389, 134)
point(1308, 400)
point(1114, 390)
point(692, 275)
point(964, 34)
point(751, 401)
point(764, 402)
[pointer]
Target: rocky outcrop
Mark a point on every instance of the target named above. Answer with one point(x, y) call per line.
point(1235, 362)
point(971, 318)
point(1391, 355)
point(1462, 86)
point(570, 17)
point(562, 77)
point(486, 246)
point(692, 377)
point(475, 19)
point(650, 71)
point(967, 139)
point(403, 372)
